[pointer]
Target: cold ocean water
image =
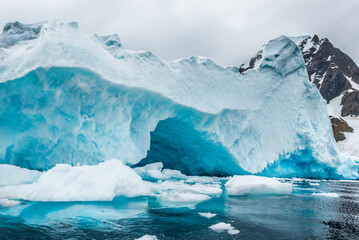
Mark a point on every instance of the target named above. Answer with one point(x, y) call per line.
point(331, 213)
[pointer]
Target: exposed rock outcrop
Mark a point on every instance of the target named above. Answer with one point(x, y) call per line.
point(339, 126)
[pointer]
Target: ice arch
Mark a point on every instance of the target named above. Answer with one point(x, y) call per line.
point(72, 115)
point(179, 146)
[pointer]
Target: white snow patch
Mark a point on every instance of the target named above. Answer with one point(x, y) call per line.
point(354, 84)
point(221, 227)
point(334, 108)
point(256, 185)
point(351, 143)
point(207, 214)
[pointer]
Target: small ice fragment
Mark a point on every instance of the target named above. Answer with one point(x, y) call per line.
point(207, 214)
point(8, 203)
point(221, 227)
point(331, 195)
point(147, 237)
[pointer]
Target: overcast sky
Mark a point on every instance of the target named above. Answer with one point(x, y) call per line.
point(229, 32)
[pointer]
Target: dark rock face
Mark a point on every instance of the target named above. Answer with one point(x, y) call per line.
point(244, 67)
point(331, 70)
point(334, 84)
point(350, 103)
point(339, 126)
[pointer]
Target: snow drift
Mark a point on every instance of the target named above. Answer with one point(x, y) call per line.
point(71, 98)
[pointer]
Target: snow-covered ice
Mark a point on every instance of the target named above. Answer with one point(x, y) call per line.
point(13, 175)
point(100, 182)
point(155, 171)
point(256, 185)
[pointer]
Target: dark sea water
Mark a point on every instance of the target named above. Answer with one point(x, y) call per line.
point(299, 215)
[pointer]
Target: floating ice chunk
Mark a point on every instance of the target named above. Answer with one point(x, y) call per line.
point(13, 175)
point(181, 199)
point(207, 214)
point(8, 203)
point(174, 174)
point(182, 186)
point(81, 183)
point(314, 184)
point(254, 185)
point(178, 193)
point(153, 172)
point(221, 227)
point(331, 195)
point(147, 237)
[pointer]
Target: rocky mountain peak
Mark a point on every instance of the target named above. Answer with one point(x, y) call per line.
point(332, 71)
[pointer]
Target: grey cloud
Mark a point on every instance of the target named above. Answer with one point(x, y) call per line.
point(229, 32)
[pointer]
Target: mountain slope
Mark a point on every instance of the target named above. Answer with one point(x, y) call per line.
point(337, 78)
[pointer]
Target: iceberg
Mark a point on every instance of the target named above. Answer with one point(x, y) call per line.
point(256, 185)
point(70, 98)
point(63, 182)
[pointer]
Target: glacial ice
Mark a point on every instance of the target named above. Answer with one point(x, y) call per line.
point(13, 175)
point(71, 98)
point(155, 171)
point(256, 185)
point(8, 203)
point(107, 180)
point(81, 183)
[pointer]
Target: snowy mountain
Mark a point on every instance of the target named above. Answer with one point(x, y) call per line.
point(67, 97)
point(337, 78)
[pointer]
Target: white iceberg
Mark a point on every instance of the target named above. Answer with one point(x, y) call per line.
point(256, 185)
point(100, 182)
